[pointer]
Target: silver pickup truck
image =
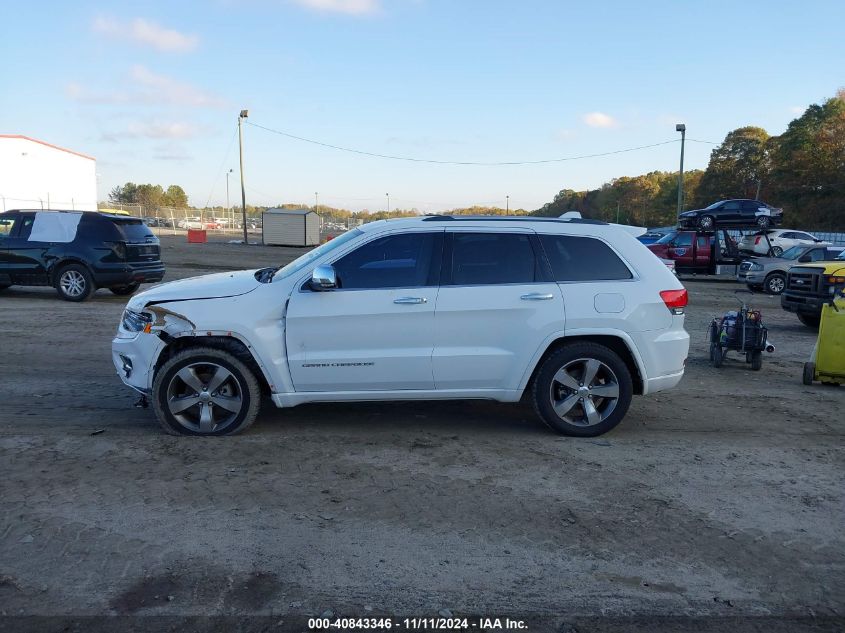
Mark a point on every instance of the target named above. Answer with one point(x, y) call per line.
point(769, 273)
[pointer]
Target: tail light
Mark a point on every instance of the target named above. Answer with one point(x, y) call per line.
point(118, 248)
point(675, 300)
point(757, 239)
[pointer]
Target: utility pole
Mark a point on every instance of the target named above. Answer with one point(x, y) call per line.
point(316, 202)
point(680, 127)
point(507, 204)
point(617, 212)
point(244, 114)
point(388, 203)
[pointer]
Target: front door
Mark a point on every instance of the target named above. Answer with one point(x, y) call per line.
point(7, 222)
point(496, 304)
point(375, 332)
point(26, 259)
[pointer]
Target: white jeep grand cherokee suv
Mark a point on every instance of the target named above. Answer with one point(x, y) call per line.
point(575, 314)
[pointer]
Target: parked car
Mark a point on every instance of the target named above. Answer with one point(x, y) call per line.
point(651, 236)
point(808, 287)
point(417, 309)
point(774, 242)
point(77, 252)
point(769, 273)
point(741, 212)
point(697, 251)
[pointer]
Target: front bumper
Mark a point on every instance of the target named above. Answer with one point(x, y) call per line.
point(809, 304)
point(134, 360)
point(751, 277)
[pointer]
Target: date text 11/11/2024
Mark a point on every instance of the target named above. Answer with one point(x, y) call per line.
point(442, 624)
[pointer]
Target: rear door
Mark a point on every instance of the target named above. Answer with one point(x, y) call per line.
point(496, 304)
point(731, 211)
point(702, 251)
point(748, 211)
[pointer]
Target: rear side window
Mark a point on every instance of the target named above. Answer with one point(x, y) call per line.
point(583, 259)
point(492, 258)
point(135, 231)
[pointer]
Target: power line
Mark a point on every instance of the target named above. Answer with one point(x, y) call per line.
point(457, 162)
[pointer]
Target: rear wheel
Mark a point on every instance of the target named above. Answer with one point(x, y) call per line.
point(582, 389)
point(205, 391)
point(809, 373)
point(122, 291)
point(775, 283)
point(777, 251)
point(763, 221)
point(706, 222)
point(810, 320)
point(74, 283)
point(756, 360)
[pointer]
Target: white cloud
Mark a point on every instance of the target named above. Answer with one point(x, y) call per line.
point(797, 109)
point(351, 7)
point(149, 88)
point(155, 129)
point(171, 151)
point(599, 119)
point(146, 33)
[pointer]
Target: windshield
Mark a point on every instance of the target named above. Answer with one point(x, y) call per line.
point(793, 253)
point(714, 205)
point(301, 262)
point(667, 238)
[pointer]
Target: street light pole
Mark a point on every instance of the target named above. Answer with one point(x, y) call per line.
point(316, 202)
point(680, 127)
point(228, 208)
point(507, 204)
point(244, 114)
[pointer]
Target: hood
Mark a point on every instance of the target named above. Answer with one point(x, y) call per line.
point(214, 286)
point(766, 261)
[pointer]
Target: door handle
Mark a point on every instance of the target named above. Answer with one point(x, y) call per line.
point(410, 300)
point(537, 296)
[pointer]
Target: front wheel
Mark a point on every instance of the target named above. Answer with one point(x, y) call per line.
point(122, 291)
point(706, 222)
point(74, 283)
point(763, 221)
point(205, 391)
point(810, 320)
point(582, 389)
point(775, 284)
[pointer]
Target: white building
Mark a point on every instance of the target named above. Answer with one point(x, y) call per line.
point(37, 175)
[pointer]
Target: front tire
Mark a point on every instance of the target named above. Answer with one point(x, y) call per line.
point(706, 222)
point(582, 389)
point(810, 320)
point(74, 283)
point(775, 283)
point(122, 291)
point(205, 391)
point(763, 221)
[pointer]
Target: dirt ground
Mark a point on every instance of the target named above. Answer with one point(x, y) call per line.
point(723, 498)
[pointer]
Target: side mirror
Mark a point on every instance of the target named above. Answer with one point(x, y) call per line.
point(323, 278)
point(805, 259)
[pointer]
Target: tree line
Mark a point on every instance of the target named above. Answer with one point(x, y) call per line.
point(801, 171)
point(152, 197)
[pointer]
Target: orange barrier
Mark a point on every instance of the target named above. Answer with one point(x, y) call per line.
point(197, 236)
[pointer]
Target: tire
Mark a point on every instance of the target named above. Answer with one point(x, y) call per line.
point(74, 283)
point(756, 361)
point(717, 355)
point(809, 373)
point(763, 221)
point(775, 283)
point(195, 370)
point(585, 413)
point(810, 320)
point(706, 222)
point(122, 291)
point(777, 251)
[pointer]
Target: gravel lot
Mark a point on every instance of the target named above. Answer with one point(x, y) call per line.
point(723, 497)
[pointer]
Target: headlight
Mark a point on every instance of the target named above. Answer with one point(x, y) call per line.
point(136, 321)
point(755, 266)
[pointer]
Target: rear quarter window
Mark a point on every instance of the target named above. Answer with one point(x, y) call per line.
point(582, 259)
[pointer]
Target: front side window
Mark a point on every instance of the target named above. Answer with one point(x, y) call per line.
point(6, 224)
point(395, 261)
point(583, 259)
point(817, 255)
point(304, 260)
point(492, 258)
point(682, 240)
point(731, 206)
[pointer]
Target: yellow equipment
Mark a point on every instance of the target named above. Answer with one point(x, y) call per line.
point(828, 364)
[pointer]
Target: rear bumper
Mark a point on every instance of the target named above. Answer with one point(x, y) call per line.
point(125, 274)
point(664, 355)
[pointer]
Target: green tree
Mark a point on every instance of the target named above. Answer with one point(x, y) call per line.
point(175, 196)
point(738, 168)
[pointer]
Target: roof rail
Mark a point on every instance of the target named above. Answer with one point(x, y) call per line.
point(509, 218)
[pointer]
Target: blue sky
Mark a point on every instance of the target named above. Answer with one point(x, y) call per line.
point(152, 90)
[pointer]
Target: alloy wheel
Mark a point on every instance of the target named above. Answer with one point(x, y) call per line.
point(72, 283)
point(584, 392)
point(204, 397)
point(776, 285)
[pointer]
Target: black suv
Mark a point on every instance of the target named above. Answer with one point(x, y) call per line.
point(77, 252)
point(741, 212)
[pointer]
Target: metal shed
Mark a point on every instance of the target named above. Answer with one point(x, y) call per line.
point(291, 227)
